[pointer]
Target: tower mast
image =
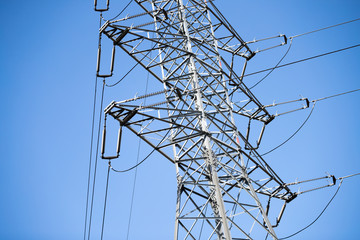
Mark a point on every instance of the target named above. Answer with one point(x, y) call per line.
point(223, 183)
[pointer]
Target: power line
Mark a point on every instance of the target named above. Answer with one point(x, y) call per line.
point(253, 73)
point(352, 175)
point(336, 95)
point(121, 10)
point(137, 161)
point(91, 142)
point(105, 201)
point(135, 166)
point(327, 205)
point(298, 61)
point(313, 101)
point(131, 69)
point(264, 70)
point(133, 190)
point(302, 60)
point(196, 103)
point(321, 29)
point(299, 35)
point(292, 134)
point(154, 148)
point(90, 158)
point(96, 159)
point(274, 68)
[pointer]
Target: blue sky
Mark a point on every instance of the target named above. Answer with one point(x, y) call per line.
point(47, 63)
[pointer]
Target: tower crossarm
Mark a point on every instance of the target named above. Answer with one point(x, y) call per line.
point(152, 124)
point(164, 46)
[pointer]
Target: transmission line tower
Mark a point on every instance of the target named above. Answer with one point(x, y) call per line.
point(207, 122)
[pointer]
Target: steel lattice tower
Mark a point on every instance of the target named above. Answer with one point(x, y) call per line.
point(224, 186)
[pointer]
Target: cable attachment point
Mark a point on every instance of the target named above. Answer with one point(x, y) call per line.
point(128, 117)
point(285, 38)
point(121, 36)
point(332, 178)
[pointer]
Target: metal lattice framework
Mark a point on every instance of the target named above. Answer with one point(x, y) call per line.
point(224, 185)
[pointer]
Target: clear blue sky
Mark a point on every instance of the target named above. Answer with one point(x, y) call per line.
point(47, 64)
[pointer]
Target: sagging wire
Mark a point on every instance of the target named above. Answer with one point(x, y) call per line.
point(264, 70)
point(294, 62)
point(314, 103)
point(274, 67)
point(139, 163)
point(295, 36)
point(123, 77)
point(321, 213)
point(122, 10)
point(138, 62)
point(327, 205)
point(312, 109)
point(110, 167)
point(142, 161)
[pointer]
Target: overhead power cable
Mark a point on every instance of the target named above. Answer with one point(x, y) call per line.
point(133, 191)
point(121, 10)
point(299, 35)
point(298, 61)
point(321, 29)
point(96, 159)
point(273, 68)
point(313, 101)
point(336, 95)
point(135, 166)
point(327, 205)
point(253, 73)
point(137, 161)
point(105, 201)
point(139, 61)
point(312, 109)
point(154, 148)
point(260, 71)
point(91, 143)
point(348, 176)
point(321, 213)
point(90, 157)
point(131, 69)
point(302, 60)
